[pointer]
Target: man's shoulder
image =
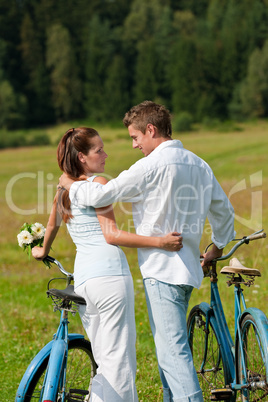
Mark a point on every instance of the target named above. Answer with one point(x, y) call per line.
point(174, 153)
point(171, 153)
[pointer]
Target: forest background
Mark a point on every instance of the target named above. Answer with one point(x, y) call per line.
point(206, 60)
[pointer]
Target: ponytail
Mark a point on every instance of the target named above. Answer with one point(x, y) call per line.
point(64, 205)
point(75, 140)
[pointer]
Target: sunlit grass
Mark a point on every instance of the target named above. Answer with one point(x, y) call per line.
point(28, 181)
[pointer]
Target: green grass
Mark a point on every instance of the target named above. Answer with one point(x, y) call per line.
point(28, 181)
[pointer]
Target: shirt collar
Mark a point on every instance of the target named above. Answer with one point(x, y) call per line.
point(165, 144)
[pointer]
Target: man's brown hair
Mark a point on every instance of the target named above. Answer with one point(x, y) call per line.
point(149, 112)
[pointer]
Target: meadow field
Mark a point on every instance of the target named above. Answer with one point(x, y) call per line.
point(239, 159)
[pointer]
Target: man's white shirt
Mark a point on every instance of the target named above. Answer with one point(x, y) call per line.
point(171, 189)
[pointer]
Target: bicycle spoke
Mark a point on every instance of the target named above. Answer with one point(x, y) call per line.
point(79, 370)
point(206, 353)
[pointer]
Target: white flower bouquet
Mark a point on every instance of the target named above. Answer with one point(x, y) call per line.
point(32, 235)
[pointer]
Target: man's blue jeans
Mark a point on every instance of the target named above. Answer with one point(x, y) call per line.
point(167, 307)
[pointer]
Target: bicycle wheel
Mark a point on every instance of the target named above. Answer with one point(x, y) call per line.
point(254, 357)
point(81, 369)
point(206, 353)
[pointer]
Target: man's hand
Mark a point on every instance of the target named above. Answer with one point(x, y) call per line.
point(65, 182)
point(215, 252)
point(171, 241)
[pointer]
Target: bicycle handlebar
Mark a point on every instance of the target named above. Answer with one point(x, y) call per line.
point(63, 271)
point(246, 239)
point(257, 235)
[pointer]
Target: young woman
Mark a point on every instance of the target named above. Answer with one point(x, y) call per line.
point(101, 271)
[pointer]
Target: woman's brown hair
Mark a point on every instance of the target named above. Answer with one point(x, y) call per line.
point(74, 141)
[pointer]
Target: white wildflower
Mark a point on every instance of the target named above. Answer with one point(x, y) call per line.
point(38, 230)
point(24, 237)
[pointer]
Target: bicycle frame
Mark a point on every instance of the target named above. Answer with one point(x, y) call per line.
point(215, 311)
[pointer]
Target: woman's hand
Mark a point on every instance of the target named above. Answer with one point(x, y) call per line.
point(38, 253)
point(171, 242)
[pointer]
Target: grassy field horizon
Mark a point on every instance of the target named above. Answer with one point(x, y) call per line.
point(29, 177)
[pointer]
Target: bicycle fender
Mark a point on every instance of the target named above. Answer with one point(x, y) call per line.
point(205, 307)
point(258, 316)
point(262, 323)
point(31, 370)
point(207, 310)
point(34, 366)
point(54, 370)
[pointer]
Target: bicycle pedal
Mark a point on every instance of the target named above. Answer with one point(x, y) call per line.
point(76, 395)
point(221, 394)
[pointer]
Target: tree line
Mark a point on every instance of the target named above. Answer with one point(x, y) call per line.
point(62, 60)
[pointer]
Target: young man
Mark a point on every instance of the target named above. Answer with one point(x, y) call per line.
point(171, 189)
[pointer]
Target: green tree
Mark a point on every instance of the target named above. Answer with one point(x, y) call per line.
point(146, 82)
point(146, 39)
point(249, 28)
point(116, 94)
point(184, 75)
point(10, 21)
point(141, 20)
point(215, 15)
point(198, 8)
point(3, 46)
point(66, 86)
point(184, 65)
point(12, 107)
point(163, 41)
point(100, 44)
point(37, 86)
point(254, 89)
point(114, 11)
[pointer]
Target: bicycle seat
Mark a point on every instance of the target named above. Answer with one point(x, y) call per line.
point(236, 267)
point(67, 294)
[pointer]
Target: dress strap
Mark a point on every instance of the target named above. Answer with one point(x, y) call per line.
point(91, 178)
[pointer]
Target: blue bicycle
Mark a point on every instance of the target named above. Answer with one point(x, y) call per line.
point(230, 370)
point(63, 370)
